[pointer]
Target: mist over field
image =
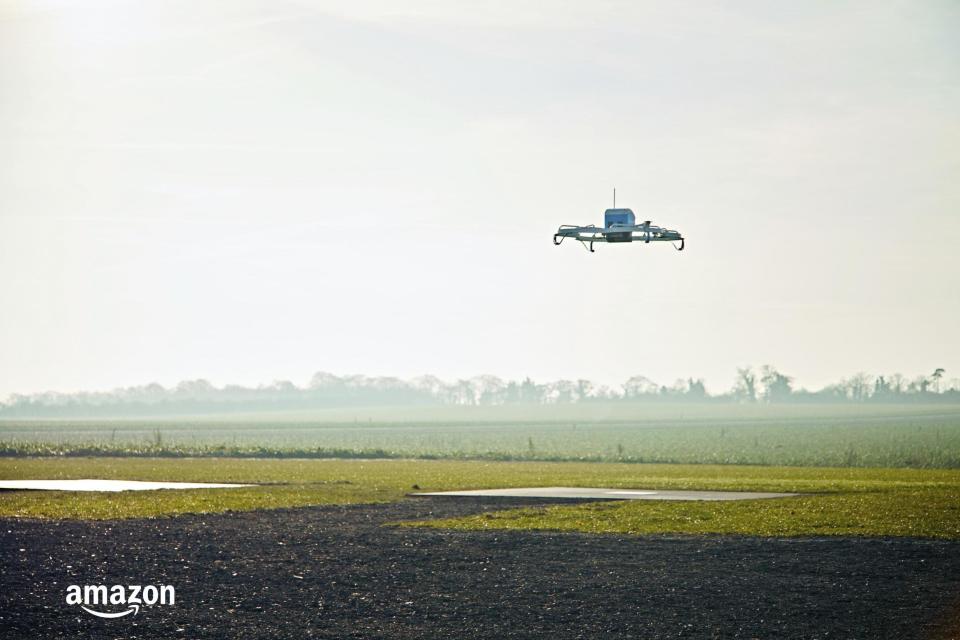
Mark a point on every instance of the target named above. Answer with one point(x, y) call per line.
point(762, 419)
point(325, 390)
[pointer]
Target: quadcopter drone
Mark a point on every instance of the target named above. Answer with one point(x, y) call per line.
point(619, 225)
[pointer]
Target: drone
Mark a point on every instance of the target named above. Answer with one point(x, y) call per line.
point(619, 225)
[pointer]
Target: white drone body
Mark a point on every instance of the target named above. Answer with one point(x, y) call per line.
point(619, 226)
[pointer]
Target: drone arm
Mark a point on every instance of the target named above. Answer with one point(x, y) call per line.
point(645, 233)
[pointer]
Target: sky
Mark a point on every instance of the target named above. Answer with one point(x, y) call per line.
point(247, 191)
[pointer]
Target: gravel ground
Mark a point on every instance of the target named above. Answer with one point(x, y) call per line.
point(335, 572)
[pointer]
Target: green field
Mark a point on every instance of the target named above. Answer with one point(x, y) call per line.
point(845, 501)
point(865, 470)
point(922, 436)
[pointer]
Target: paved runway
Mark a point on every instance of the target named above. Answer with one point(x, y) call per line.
point(592, 493)
point(337, 573)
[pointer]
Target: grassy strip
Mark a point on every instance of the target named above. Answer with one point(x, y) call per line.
point(925, 513)
point(910, 502)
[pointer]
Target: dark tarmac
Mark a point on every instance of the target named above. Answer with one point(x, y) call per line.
point(337, 572)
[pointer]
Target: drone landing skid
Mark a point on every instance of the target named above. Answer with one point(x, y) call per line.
point(645, 233)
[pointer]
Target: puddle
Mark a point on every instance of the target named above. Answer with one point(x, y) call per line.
point(588, 493)
point(108, 485)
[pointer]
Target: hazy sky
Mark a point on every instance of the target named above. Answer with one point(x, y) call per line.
point(251, 190)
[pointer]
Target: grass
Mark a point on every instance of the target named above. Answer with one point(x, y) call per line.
point(848, 501)
point(917, 436)
point(923, 513)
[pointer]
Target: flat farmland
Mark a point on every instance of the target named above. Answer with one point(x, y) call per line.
point(819, 435)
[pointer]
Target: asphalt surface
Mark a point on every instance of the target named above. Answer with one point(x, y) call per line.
point(336, 572)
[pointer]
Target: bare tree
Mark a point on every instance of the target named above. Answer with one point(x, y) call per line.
point(561, 391)
point(530, 391)
point(603, 392)
point(776, 386)
point(935, 376)
point(898, 384)
point(488, 389)
point(858, 386)
point(881, 388)
point(464, 392)
point(584, 390)
point(696, 389)
point(746, 386)
point(639, 386)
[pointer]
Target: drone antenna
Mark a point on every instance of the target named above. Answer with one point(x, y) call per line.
point(614, 197)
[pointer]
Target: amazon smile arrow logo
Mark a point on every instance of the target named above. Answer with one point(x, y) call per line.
point(131, 596)
point(134, 608)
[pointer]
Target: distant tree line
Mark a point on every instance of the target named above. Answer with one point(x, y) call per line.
point(763, 385)
point(770, 385)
